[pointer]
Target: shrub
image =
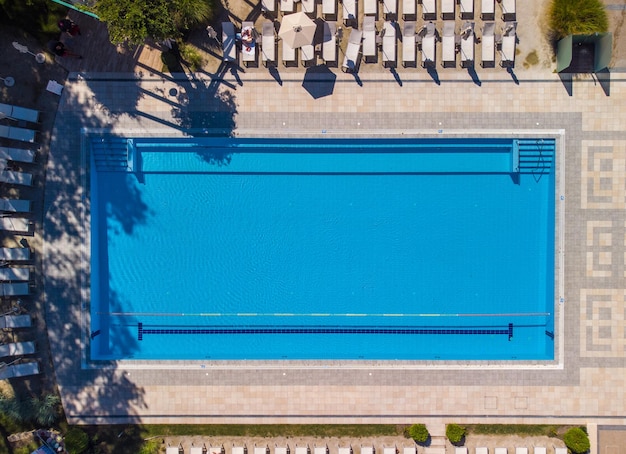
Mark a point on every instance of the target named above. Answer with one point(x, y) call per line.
point(577, 17)
point(455, 433)
point(419, 433)
point(191, 56)
point(76, 441)
point(577, 440)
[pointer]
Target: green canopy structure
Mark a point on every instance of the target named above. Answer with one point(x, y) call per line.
point(584, 53)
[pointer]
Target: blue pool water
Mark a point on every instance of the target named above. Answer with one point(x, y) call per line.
point(220, 248)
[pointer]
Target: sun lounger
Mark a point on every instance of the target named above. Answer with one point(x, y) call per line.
point(287, 6)
point(560, 450)
point(501, 451)
point(508, 10)
point(261, 450)
point(460, 450)
point(19, 113)
point(488, 45)
point(351, 57)
point(18, 225)
point(17, 154)
point(15, 321)
point(507, 50)
point(238, 450)
point(369, 38)
point(408, 43)
point(320, 450)
point(13, 177)
point(448, 53)
point(248, 49)
point(390, 9)
point(268, 6)
point(521, 450)
point(429, 9)
point(15, 205)
point(429, 46)
point(367, 450)
point(329, 45)
point(467, 45)
point(539, 450)
point(281, 449)
point(329, 8)
point(370, 7)
point(289, 54)
point(18, 370)
point(174, 450)
point(482, 450)
point(308, 7)
point(20, 134)
point(268, 43)
point(307, 55)
point(228, 42)
point(14, 289)
point(349, 11)
point(467, 9)
point(196, 450)
point(14, 274)
point(345, 450)
point(17, 349)
point(389, 44)
point(409, 450)
point(14, 254)
point(408, 9)
point(488, 10)
point(447, 9)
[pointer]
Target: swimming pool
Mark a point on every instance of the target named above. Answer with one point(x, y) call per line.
point(408, 249)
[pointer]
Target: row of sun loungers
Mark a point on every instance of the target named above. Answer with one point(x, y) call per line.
point(518, 450)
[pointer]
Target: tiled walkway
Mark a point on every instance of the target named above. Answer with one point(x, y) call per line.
point(586, 384)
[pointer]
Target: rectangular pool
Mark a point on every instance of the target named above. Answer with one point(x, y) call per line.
point(344, 249)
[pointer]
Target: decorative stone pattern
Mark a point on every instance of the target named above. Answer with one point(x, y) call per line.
point(602, 318)
point(603, 174)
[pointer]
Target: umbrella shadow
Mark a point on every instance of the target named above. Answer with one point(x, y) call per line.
point(319, 81)
point(273, 70)
point(432, 72)
point(472, 73)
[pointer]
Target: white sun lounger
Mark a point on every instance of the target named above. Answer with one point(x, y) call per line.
point(268, 43)
point(408, 43)
point(19, 113)
point(289, 54)
point(17, 349)
point(467, 9)
point(351, 58)
point(320, 450)
point(238, 450)
point(488, 10)
point(460, 450)
point(488, 45)
point(390, 450)
point(389, 44)
point(390, 8)
point(467, 45)
point(329, 45)
point(448, 54)
point(14, 254)
point(13, 177)
point(15, 205)
point(560, 450)
point(507, 50)
point(369, 38)
point(248, 51)
point(429, 9)
point(261, 450)
point(302, 450)
point(345, 450)
point(501, 451)
point(508, 10)
point(308, 6)
point(15, 321)
point(18, 225)
point(307, 54)
point(20, 134)
point(280, 449)
point(349, 11)
point(408, 9)
point(429, 47)
point(409, 450)
point(370, 7)
point(539, 450)
point(172, 450)
point(287, 6)
point(196, 450)
point(521, 450)
point(17, 154)
point(18, 370)
point(14, 274)
point(14, 289)
point(482, 450)
point(367, 450)
point(329, 8)
point(228, 42)
point(447, 9)
point(268, 6)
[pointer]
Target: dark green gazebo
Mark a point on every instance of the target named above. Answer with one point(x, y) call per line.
point(584, 53)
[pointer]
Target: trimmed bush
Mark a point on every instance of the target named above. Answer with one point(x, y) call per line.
point(455, 433)
point(577, 17)
point(577, 440)
point(419, 433)
point(76, 441)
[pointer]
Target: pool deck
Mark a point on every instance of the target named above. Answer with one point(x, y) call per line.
point(587, 384)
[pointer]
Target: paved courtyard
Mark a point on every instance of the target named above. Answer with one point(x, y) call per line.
point(585, 384)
